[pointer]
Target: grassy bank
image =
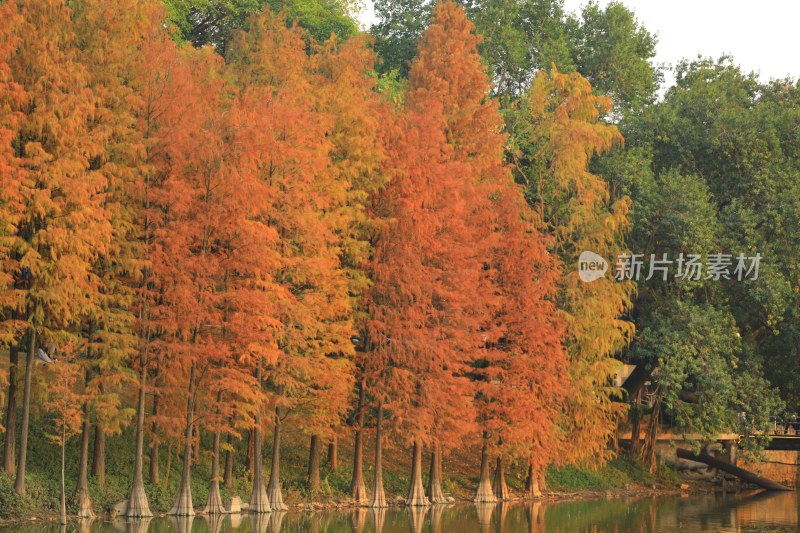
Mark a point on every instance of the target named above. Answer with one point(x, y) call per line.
point(460, 476)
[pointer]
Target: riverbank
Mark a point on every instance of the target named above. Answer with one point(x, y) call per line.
point(397, 503)
point(621, 477)
point(757, 513)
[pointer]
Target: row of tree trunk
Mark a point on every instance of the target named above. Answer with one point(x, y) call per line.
point(15, 461)
point(264, 498)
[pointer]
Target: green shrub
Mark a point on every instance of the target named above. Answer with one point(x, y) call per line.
point(668, 475)
point(619, 473)
point(11, 504)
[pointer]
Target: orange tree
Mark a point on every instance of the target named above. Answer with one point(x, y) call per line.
point(518, 366)
point(289, 138)
point(56, 222)
point(557, 129)
point(430, 296)
point(12, 96)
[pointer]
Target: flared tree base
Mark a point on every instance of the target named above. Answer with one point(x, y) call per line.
point(84, 504)
point(276, 498)
point(416, 492)
point(214, 504)
point(137, 506)
point(259, 501)
point(183, 505)
point(534, 491)
point(435, 494)
point(416, 496)
point(360, 495)
point(499, 486)
point(484, 494)
point(378, 500)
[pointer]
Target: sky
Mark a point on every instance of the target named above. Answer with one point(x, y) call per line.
point(762, 36)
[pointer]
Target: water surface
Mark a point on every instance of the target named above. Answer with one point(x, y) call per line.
point(752, 513)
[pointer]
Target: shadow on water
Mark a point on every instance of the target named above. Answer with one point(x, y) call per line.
point(754, 512)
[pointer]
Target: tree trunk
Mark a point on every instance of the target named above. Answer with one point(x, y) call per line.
point(484, 493)
point(313, 464)
point(196, 444)
point(416, 492)
point(19, 482)
point(63, 514)
point(358, 490)
point(636, 423)
point(251, 451)
point(741, 473)
point(529, 477)
point(169, 466)
point(183, 505)
point(259, 502)
point(499, 486)
point(333, 453)
point(99, 454)
point(214, 505)
point(228, 480)
point(535, 490)
point(378, 499)
point(138, 506)
point(648, 447)
point(10, 450)
point(82, 486)
point(435, 494)
point(274, 487)
point(532, 484)
point(154, 475)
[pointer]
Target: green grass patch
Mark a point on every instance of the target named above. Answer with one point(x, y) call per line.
point(619, 473)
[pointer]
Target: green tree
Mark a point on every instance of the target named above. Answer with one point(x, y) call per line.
point(519, 36)
point(614, 52)
point(214, 21)
point(400, 24)
point(710, 170)
point(608, 46)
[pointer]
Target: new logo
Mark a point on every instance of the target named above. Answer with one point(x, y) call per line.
point(591, 266)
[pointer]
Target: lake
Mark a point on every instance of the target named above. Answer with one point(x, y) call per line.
point(751, 512)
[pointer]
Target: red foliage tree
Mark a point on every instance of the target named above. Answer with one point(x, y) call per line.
point(423, 269)
point(519, 372)
point(289, 147)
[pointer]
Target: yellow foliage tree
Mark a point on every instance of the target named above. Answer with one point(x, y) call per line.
point(557, 129)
